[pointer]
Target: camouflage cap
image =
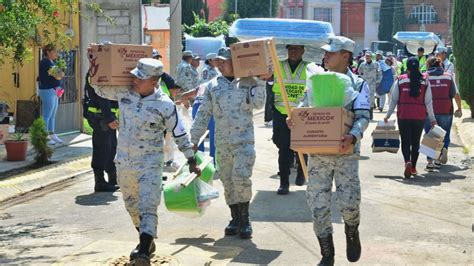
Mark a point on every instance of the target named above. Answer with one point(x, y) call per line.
point(188, 53)
point(148, 68)
point(442, 50)
point(379, 52)
point(224, 53)
point(211, 56)
point(339, 43)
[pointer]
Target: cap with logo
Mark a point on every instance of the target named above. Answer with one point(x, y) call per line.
point(148, 68)
point(211, 56)
point(224, 53)
point(339, 43)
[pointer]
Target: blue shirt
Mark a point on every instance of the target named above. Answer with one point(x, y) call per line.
point(47, 81)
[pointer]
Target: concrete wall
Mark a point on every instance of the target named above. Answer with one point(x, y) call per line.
point(96, 29)
point(335, 5)
point(371, 24)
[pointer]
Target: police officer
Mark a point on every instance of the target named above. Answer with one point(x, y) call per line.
point(371, 72)
point(101, 114)
point(231, 101)
point(294, 77)
point(343, 169)
point(185, 73)
point(145, 112)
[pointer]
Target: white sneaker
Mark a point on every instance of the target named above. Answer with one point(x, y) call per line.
point(51, 142)
point(56, 139)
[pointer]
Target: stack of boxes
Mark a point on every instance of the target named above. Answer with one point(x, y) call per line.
point(433, 142)
point(385, 137)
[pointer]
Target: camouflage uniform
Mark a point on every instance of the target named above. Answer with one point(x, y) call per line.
point(343, 169)
point(231, 103)
point(185, 74)
point(195, 77)
point(372, 74)
point(140, 149)
point(208, 73)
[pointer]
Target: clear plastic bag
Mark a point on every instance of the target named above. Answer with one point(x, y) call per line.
point(205, 192)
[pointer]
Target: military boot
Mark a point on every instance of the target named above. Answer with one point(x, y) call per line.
point(353, 248)
point(327, 251)
point(245, 227)
point(234, 225)
point(284, 185)
point(101, 185)
point(134, 253)
point(144, 252)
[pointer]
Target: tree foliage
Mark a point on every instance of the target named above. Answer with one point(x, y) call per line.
point(463, 41)
point(386, 20)
point(201, 28)
point(24, 22)
point(398, 16)
point(251, 8)
point(39, 140)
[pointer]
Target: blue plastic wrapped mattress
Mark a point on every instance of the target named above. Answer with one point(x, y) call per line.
point(312, 34)
point(202, 46)
point(415, 39)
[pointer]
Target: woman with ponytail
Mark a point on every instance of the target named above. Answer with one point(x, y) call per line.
point(411, 94)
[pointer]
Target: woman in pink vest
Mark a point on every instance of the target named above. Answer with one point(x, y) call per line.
point(411, 93)
point(443, 90)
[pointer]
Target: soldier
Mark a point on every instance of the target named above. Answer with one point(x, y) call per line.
point(184, 72)
point(101, 114)
point(344, 169)
point(194, 70)
point(294, 76)
point(145, 112)
point(231, 101)
point(210, 68)
point(370, 71)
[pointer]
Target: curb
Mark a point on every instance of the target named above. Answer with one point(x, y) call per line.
point(465, 127)
point(38, 179)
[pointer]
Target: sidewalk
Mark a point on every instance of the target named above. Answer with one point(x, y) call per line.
point(69, 159)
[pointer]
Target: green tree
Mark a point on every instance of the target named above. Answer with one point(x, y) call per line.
point(251, 8)
point(23, 22)
point(39, 140)
point(201, 28)
point(463, 41)
point(398, 16)
point(386, 20)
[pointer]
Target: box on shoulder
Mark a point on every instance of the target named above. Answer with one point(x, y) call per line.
point(319, 130)
point(251, 58)
point(111, 64)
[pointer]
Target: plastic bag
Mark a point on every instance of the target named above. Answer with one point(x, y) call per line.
point(205, 191)
point(330, 89)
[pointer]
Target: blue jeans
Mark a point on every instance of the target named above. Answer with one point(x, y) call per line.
point(445, 122)
point(49, 104)
point(211, 126)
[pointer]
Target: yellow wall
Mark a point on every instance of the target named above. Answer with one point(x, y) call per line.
point(29, 72)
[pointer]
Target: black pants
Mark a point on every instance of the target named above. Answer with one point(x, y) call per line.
point(104, 148)
point(410, 133)
point(269, 103)
point(281, 138)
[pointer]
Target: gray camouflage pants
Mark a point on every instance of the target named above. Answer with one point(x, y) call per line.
point(141, 189)
point(234, 169)
point(344, 170)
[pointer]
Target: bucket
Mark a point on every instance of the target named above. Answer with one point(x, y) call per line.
point(207, 173)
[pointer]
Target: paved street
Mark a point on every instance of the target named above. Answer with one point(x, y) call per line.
point(425, 220)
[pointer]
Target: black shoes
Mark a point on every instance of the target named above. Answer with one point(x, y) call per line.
point(300, 180)
point(240, 223)
point(234, 225)
point(353, 248)
point(101, 185)
point(245, 226)
point(140, 256)
point(327, 251)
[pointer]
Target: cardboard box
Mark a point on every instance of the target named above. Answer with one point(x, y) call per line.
point(111, 64)
point(431, 146)
point(251, 58)
point(319, 130)
point(385, 140)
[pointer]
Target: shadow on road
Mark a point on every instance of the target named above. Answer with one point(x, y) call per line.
point(430, 179)
point(37, 230)
point(95, 199)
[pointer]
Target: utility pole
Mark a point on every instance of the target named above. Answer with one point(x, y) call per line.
point(175, 42)
point(270, 10)
point(235, 6)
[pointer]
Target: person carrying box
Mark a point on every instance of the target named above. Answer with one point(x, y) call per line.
point(231, 101)
point(342, 168)
point(145, 112)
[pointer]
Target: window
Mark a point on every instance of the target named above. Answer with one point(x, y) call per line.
point(376, 14)
point(423, 14)
point(322, 14)
point(294, 12)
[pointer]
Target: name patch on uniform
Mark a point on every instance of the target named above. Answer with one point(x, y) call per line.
point(125, 101)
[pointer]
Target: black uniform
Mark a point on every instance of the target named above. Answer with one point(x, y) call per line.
point(98, 112)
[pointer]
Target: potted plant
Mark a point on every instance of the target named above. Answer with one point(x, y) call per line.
point(16, 147)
